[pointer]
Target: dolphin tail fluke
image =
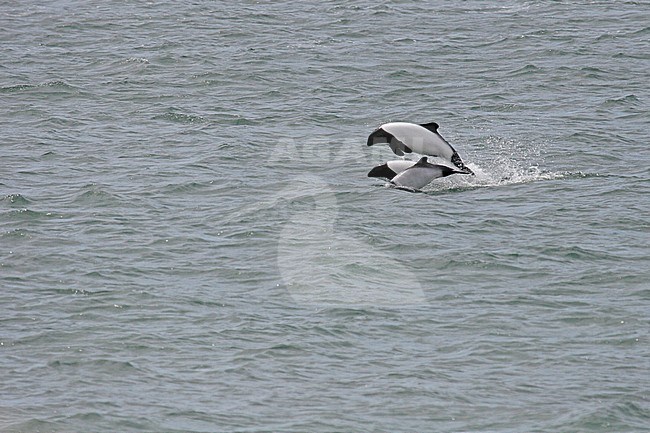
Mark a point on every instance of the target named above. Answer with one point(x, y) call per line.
point(455, 159)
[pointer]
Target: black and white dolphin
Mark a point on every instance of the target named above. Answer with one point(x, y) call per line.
point(422, 173)
point(403, 137)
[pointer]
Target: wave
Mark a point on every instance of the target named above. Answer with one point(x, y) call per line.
point(55, 84)
point(15, 200)
point(174, 116)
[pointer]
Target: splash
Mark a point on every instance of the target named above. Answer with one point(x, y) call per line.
point(500, 171)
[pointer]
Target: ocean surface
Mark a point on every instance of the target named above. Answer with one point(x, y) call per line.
point(189, 241)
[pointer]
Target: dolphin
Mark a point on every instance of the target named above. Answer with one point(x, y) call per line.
point(404, 137)
point(422, 173)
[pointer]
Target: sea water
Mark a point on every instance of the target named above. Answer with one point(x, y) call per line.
point(189, 241)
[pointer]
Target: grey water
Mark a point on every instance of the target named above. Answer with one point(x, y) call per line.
point(189, 241)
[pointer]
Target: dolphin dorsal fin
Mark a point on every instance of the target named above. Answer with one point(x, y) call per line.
point(422, 161)
point(432, 126)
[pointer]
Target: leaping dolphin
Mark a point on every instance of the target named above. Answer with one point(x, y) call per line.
point(422, 173)
point(403, 137)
